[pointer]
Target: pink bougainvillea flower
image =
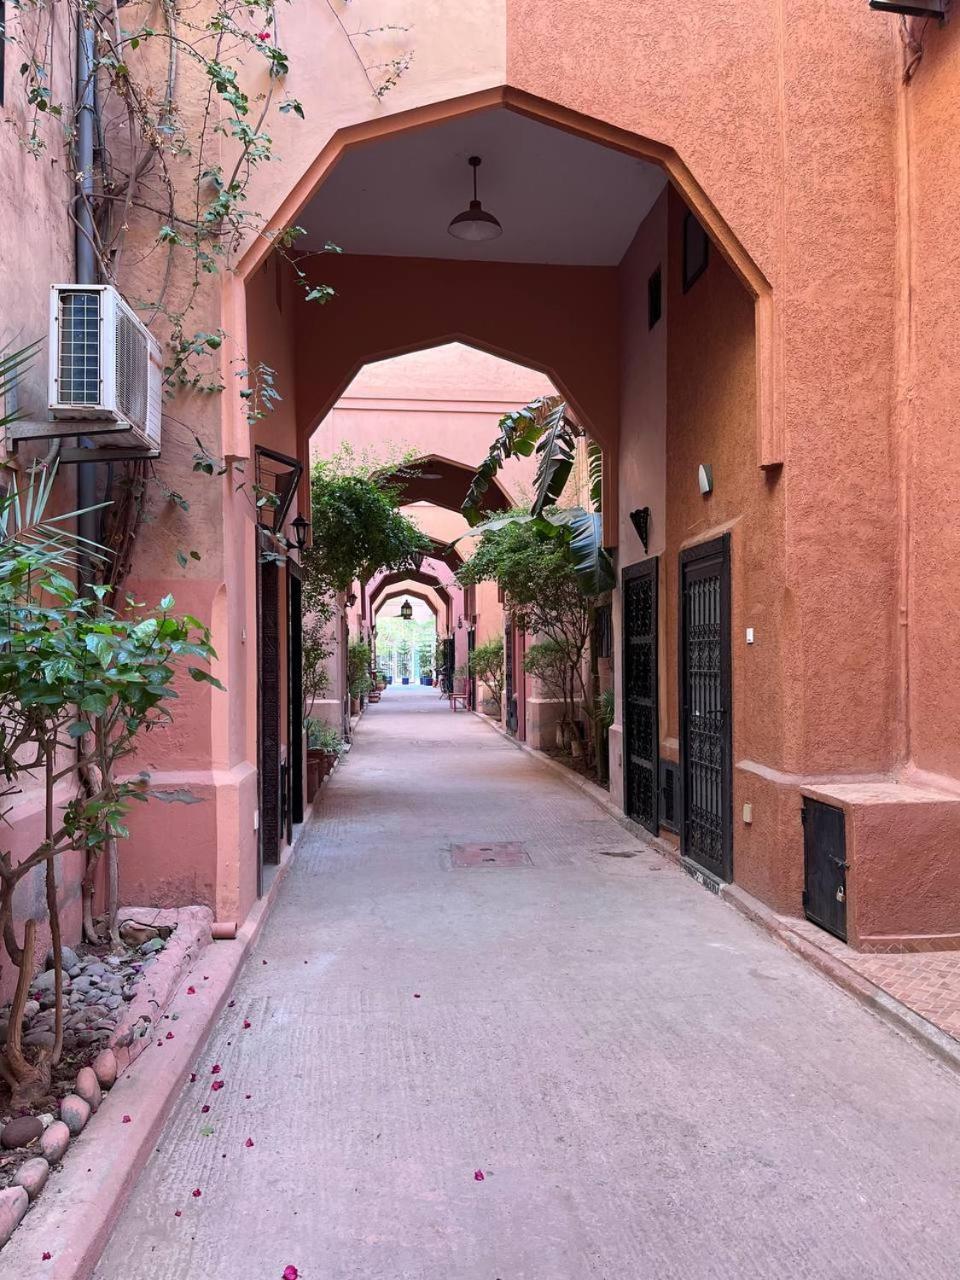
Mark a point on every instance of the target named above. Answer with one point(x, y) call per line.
point(478, 1175)
point(169, 1035)
point(246, 1025)
point(126, 1119)
point(191, 991)
point(196, 1193)
point(46, 1256)
point(263, 35)
point(217, 1085)
point(215, 1069)
point(204, 1109)
point(248, 1143)
point(291, 1273)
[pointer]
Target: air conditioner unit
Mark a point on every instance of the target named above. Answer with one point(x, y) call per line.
point(106, 367)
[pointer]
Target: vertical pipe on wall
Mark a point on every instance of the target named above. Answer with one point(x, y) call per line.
point(86, 260)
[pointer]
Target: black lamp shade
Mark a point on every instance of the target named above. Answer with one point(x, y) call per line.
point(913, 8)
point(406, 611)
point(301, 527)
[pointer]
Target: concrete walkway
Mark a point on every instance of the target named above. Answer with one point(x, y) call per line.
point(650, 1086)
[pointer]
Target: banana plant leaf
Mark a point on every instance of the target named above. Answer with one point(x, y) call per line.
point(557, 449)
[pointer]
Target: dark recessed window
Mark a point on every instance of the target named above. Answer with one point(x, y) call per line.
point(696, 250)
point(3, 43)
point(654, 298)
point(603, 631)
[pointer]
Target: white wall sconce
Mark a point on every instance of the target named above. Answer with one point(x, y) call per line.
point(705, 478)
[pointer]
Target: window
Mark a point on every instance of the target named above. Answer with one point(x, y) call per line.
point(603, 631)
point(696, 251)
point(654, 298)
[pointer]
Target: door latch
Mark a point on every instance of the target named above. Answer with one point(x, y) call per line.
point(841, 895)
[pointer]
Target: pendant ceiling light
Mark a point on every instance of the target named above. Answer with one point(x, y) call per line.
point(475, 223)
point(406, 611)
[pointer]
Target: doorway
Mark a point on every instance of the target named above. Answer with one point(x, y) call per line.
point(641, 727)
point(706, 746)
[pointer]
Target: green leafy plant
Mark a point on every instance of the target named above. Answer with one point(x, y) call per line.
point(487, 664)
point(358, 669)
point(324, 737)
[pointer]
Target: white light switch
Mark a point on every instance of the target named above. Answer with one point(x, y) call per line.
point(749, 635)
point(748, 812)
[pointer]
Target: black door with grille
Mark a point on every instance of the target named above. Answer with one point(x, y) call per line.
point(825, 866)
point(641, 729)
point(508, 691)
point(268, 702)
point(705, 707)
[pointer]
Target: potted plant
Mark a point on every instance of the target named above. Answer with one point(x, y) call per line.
point(358, 674)
point(324, 748)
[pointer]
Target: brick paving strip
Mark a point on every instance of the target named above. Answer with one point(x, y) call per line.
point(558, 1065)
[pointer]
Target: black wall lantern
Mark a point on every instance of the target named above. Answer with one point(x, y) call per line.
point(913, 8)
point(640, 519)
point(300, 527)
point(406, 611)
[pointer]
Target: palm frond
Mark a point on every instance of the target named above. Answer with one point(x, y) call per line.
point(595, 474)
point(557, 449)
point(519, 432)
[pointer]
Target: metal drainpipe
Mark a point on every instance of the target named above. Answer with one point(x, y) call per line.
point(86, 261)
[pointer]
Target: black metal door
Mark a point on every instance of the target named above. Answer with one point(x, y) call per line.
point(705, 707)
point(295, 692)
point(511, 702)
point(825, 867)
point(641, 727)
point(268, 701)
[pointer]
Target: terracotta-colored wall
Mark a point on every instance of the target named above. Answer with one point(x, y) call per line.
point(928, 375)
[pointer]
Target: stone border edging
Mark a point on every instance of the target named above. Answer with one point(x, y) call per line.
point(897, 1015)
point(76, 1213)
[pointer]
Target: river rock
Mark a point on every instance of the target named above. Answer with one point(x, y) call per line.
point(20, 1132)
point(88, 1088)
point(68, 956)
point(13, 1205)
point(39, 1039)
point(32, 1176)
point(105, 1068)
point(30, 1010)
point(54, 1141)
point(74, 1112)
point(150, 948)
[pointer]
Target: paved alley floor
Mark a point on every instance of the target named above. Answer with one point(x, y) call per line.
point(651, 1087)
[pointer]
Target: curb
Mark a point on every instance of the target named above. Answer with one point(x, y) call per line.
point(79, 1207)
point(899, 1016)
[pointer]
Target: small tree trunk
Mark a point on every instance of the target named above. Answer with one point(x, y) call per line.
point(53, 911)
point(113, 891)
point(27, 1080)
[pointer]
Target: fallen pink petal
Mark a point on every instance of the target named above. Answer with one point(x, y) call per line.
point(45, 1257)
point(217, 1085)
point(169, 1035)
point(193, 1077)
point(215, 1069)
point(177, 1213)
point(478, 1175)
point(246, 1025)
point(248, 1143)
point(191, 991)
point(126, 1119)
point(290, 1273)
point(231, 1003)
point(204, 1109)
point(197, 1193)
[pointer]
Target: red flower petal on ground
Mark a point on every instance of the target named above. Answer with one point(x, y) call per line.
point(246, 1025)
point(177, 1213)
point(169, 1035)
point(126, 1119)
point(217, 1084)
point(45, 1257)
point(478, 1175)
point(204, 1109)
point(215, 1069)
point(231, 1003)
point(263, 962)
point(248, 1096)
point(193, 1077)
point(291, 1273)
point(191, 991)
point(248, 1143)
point(416, 995)
point(197, 1193)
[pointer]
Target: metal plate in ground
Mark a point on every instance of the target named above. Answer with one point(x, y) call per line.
point(503, 854)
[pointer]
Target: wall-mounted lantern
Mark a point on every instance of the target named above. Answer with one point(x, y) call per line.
point(705, 478)
point(406, 611)
point(913, 8)
point(300, 527)
point(351, 599)
point(640, 519)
